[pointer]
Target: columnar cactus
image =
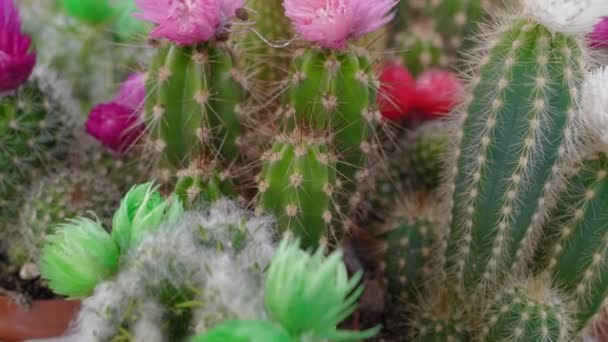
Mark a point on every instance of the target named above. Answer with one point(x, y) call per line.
point(422, 46)
point(527, 310)
point(204, 184)
point(576, 252)
point(439, 317)
point(333, 91)
point(517, 130)
point(194, 98)
point(298, 185)
point(456, 20)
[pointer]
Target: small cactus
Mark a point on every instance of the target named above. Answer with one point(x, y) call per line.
point(527, 310)
point(298, 184)
point(439, 317)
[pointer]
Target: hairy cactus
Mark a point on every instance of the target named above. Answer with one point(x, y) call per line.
point(194, 97)
point(527, 310)
point(575, 252)
point(51, 200)
point(297, 184)
point(335, 91)
point(517, 131)
point(183, 279)
point(35, 122)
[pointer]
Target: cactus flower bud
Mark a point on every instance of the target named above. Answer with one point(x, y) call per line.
point(599, 37)
point(16, 60)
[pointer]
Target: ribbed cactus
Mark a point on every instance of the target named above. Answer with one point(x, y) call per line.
point(35, 122)
point(422, 47)
point(271, 23)
point(517, 130)
point(194, 98)
point(527, 310)
point(439, 318)
point(57, 197)
point(335, 91)
point(298, 185)
point(203, 186)
point(456, 20)
point(575, 253)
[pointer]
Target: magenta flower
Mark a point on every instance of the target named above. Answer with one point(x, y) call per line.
point(599, 37)
point(16, 61)
point(188, 22)
point(118, 125)
point(331, 23)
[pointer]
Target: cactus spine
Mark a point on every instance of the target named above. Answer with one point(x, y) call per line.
point(194, 97)
point(513, 145)
point(576, 253)
point(297, 184)
point(529, 310)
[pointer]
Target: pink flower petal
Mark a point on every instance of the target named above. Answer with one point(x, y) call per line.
point(16, 62)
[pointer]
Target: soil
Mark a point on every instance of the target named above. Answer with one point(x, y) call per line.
point(21, 291)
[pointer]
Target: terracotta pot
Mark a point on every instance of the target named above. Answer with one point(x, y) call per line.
point(46, 318)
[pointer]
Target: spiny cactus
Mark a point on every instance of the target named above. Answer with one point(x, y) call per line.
point(422, 47)
point(575, 253)
point(35, 122)
point(185, 278)
point(528, 310)
point(194, 100)
point(207, 185)
point(298, 184)
point(439, 317)
point(456, 20)
point(517, 131)
point(335, 91)
point(61, 195)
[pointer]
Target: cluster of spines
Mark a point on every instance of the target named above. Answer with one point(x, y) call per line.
point(513, 144)
point(526, 310)
point(298, 185)
point(575, 254)
point(195, 103)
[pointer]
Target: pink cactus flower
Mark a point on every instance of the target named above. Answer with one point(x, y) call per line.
point(331, 23)
point(599, 37)
point(16, 60)
point(188, 22)
point(118, 125)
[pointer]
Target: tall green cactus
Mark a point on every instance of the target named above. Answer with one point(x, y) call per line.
point(576, 252)
point(297, 184)
point(423, 47)
point(194, 97)
point(334, 91)
point(456, 20)
point(527, 311)
point(515, 134)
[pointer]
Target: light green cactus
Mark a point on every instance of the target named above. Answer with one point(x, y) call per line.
point(194, 98)
point(298, 184)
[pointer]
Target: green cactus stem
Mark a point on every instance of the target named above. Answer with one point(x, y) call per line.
point(516, 133)
point(194, 97)
point(297, 184)
point(422, 46)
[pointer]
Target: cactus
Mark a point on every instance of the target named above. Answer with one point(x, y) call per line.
point(176, 283)
point(194, 97)
point(527, 310)
point(298, 184)
point(456, 20)
point(51, 200)
point(335, 91)
point(512, 150)
point(271, 23)
point(574, 254)
point(439, 317)
point(427, 158)
point(204, 185)
point(422, 46)
point(35, 122)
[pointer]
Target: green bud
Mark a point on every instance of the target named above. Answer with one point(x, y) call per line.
point(311, 294)
point(245, 331)
point(78, 256)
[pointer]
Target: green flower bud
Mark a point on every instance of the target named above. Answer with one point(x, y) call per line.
point(309, 295)
point(78, 256)
point(143, 209)
point(245, 331)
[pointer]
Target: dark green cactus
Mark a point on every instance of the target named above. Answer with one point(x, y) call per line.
point(439, 318)
point(194, 103)
point(575, 253)
point(513, 145)
point(298, 184)
point(527, 311)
